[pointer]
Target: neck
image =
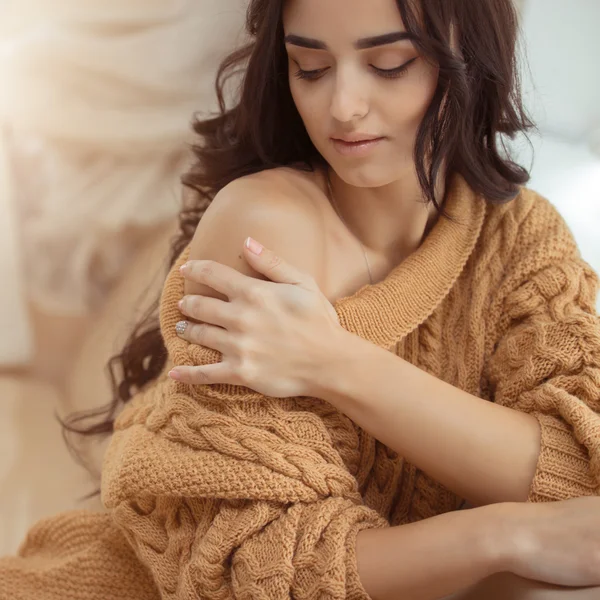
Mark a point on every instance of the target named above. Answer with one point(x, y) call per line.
point(389, 221)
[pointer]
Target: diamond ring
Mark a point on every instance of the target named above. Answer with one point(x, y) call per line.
point(181, 327)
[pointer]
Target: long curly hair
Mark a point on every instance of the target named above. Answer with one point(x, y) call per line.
point(477, 101)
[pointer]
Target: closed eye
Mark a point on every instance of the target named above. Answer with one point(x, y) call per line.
point(387, 73)
point(395, 72)
point(311, 75)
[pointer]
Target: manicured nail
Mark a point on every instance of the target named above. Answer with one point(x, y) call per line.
point(254, 246)
point(180, 305)
point(174, 375)
point(183, 268)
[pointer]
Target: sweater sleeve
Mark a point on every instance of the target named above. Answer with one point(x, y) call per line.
point(249, 550)
point(546, 358)
point(225, 493)
point(218, 506)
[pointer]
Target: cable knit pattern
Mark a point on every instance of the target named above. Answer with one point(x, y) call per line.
point(75, 556)
point(547, 357)
point(217, 492)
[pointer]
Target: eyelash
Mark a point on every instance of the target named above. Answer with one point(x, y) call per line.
point(386, 73)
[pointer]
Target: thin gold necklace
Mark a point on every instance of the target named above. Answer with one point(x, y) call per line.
point(339, 214)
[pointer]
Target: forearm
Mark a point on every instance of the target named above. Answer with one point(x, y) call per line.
point(433, 558)
point(506, 586)
point(461, 555)
point(483, 452)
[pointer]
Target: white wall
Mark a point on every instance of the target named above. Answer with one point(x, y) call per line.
point(562, 92)
point(563, 44)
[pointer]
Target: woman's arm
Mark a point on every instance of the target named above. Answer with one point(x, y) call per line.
point(430, 559)
point(481, 451)
point(506, 586)
point(540, 438)
point(502, 551)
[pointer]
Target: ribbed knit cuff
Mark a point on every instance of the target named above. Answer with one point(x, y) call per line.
point(354, 586)
point(563, 469)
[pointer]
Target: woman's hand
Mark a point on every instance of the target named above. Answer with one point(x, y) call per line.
point(275, 336)
point(555, 542)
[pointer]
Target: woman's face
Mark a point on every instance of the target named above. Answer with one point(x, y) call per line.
point(350, 84)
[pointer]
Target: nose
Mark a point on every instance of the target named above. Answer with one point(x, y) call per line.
point(349, 101)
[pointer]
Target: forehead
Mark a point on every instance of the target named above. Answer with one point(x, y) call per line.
point(352, 19)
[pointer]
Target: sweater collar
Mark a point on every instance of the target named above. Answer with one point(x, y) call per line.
point(385, 312)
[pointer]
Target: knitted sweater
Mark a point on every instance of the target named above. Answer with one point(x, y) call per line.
point(218, 492)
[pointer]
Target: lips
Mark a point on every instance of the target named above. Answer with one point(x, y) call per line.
point(356, 138)
point(356, 145)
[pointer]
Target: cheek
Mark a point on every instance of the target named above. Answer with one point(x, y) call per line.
point(307, 103)
point(413, 101)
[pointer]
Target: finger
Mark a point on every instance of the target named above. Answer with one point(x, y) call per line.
point(271, 265)
point(203, 334)
point(207, 310)
point(204, 375)
point(217, 276)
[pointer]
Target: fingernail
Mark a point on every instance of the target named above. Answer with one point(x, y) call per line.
point(180, 305)
point(254, 246)
point(174, 375)
point(183, 268)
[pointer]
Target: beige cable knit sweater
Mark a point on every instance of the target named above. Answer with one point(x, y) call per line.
point(219, 492)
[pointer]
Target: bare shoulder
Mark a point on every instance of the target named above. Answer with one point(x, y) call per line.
point(280, 208)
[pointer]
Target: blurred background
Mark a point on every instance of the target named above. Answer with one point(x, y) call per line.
point(561, 85)
point(96, 100)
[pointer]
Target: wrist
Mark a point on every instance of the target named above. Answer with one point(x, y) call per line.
point(332, 379)
point(499, 535)
point(441, 555)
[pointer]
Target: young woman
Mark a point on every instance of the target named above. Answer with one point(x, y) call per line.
point(416, 336)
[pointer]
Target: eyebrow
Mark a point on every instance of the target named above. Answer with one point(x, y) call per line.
point(362, 44)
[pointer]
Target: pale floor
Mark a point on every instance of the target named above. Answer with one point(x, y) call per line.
point(38, 476)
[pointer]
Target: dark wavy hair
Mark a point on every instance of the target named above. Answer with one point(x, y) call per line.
point(476, 103)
